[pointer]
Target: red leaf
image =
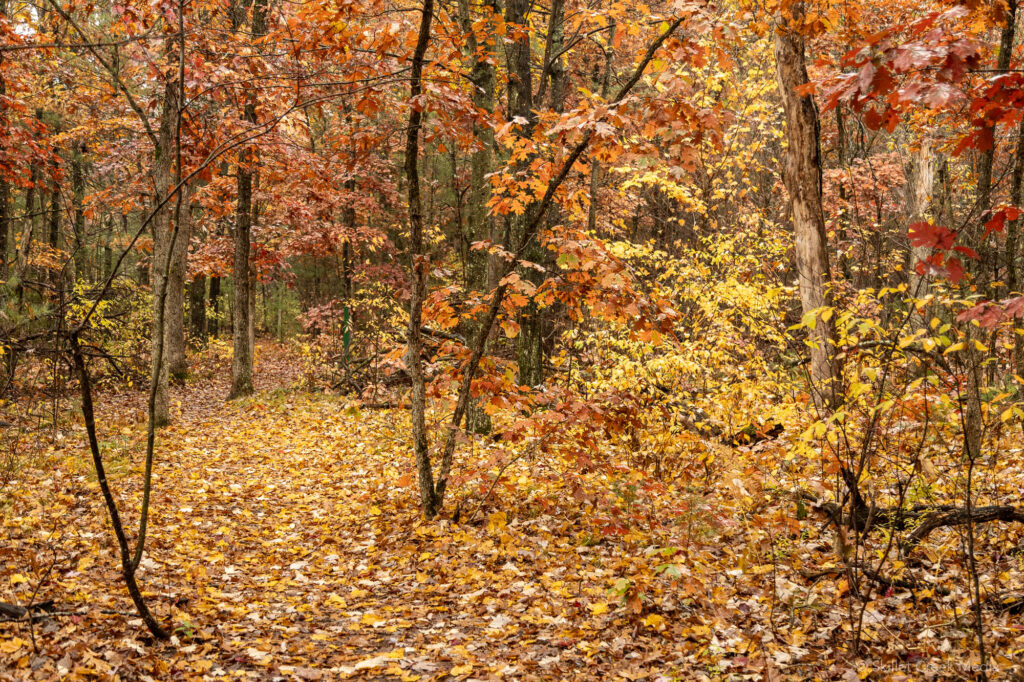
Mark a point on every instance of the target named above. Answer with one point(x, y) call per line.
point(998, 220)
point(872, 119)
point(967, 251)
point(955, 270)
point(984, 139)
point(996, 223)
point(1014, 306)
point(987, 314)
point(926, 234)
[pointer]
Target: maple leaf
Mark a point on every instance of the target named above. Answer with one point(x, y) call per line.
point(929, 235)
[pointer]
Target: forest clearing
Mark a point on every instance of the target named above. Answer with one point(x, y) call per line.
point(497, 339)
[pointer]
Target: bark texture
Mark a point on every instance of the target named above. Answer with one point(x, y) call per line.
point(520, 109)
point(242, 359)
point(920, 181)
point(174, 313)
point(429, 499)
point(197, 307)
point(163, 163)
point(1013, 242)
point(479, 225)
point(5, 187)
point(988, 251)
point(802, 176)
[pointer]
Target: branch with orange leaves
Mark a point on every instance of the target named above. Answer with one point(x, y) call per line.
point(529, 233)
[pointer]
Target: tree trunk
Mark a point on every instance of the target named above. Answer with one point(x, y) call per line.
point(53, 217)
point(174, 311)
point(1012, 242)
point(429, 500)
point(108, 249)
point(242, 361)
point(520, 106)
point(988, 265)
point(197, 308)
point(973, 417)
point(162, 183)
point(920, 180)
point(241, 364)
point(213, 310)
point(802, 177)
point(33, 219)
point(479, 225)
point(843, 219)
point(5, 223)
point(31, 224)
point(127, 567)
point(537, 323)
point(595, 165)
point(253, 295)
point(78, 197)
point(478, 220)
point(5, 187)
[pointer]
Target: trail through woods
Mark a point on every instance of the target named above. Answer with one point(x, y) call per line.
point(286, 543)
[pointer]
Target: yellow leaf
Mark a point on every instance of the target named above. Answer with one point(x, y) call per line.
point(655, 621)
point(599, 608)
point(809, 320)
point(370, 619)
point(18, 578)
point(461, 670)
point(959, 345)
point(496, 521)
point(11, 645)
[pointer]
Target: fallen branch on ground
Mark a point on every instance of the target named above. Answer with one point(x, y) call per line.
point(959, 517)
point(874, 576)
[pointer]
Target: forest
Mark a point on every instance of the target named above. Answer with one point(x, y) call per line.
point(511, 339)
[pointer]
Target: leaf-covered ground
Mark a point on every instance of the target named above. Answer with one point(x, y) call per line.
point(286, 543)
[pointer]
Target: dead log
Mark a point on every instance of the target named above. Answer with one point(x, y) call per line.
point(932, 518)
point(959, 517)
point(874, 576)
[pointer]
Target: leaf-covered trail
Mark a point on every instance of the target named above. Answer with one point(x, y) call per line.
point(285, 541)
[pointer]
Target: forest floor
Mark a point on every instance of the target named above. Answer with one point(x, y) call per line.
point(285, 543)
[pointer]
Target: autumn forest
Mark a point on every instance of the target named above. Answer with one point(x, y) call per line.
point(498, 339)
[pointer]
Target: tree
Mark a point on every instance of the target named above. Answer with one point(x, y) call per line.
point(802, 174)
point(242, 309)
